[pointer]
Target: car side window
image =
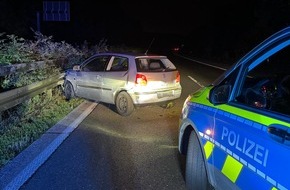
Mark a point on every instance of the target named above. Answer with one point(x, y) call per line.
point(222, 92)
point(119, 64)
point(231, 79)
point(96, 64)
point(267, 86)
point(142, 65)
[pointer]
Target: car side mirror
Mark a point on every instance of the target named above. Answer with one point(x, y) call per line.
point(220, 94)
point(76, 68)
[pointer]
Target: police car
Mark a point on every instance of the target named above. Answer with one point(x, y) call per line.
point(235, 133)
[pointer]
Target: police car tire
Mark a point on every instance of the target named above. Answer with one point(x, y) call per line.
point(195, 172)
point(68, 91)
point(124, 104)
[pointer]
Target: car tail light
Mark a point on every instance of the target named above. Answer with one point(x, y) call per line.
point(177, 80)
point(141, 80)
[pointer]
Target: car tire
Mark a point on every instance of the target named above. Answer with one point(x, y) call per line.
point(69, 92)
point(195, 171)
point(124, 104)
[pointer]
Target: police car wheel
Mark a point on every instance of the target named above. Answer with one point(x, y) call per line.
point(195, 172)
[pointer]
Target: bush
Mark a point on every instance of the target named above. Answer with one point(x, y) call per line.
point(14, 49)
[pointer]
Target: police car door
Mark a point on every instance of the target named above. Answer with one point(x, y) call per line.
point(252, 131)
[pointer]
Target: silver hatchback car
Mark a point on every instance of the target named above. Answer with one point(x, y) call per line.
point(126, 80)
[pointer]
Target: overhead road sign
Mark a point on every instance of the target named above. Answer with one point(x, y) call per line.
point(56, 11)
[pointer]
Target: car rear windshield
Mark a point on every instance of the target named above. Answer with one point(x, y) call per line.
point(154, 65)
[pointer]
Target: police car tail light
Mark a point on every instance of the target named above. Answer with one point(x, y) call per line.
point(141, 80)
point(177, 80)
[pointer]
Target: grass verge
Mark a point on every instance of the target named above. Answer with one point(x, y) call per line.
point(16, 136)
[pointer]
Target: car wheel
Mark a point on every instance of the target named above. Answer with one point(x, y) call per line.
point(124, 104)
point(69, 92)
point(195, 171)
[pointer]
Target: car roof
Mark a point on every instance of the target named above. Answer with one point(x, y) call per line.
point(132, 54)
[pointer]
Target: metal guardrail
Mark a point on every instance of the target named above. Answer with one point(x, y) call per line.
point(9, 69)
point(16, 96)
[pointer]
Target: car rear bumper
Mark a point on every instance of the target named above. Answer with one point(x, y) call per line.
point(155, 97)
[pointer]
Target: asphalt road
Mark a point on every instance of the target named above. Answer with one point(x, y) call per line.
point(108, 151)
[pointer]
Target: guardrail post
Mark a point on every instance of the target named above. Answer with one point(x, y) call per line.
point(49, 93)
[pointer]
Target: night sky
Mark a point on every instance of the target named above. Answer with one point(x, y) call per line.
point(201, 26)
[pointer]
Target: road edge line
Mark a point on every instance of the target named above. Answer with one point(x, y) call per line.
point(30, 169)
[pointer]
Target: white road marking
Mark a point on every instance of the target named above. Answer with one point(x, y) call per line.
point(191, 78)
point(217, 67)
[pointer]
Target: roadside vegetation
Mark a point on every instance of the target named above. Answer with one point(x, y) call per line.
point(23, 124)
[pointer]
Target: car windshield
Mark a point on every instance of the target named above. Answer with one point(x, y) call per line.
point(151, 65)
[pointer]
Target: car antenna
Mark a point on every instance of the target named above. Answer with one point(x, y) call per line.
point(150, 46)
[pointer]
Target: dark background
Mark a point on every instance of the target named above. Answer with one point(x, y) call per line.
point(218, 30)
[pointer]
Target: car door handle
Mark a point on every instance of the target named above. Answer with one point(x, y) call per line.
point(278, 133)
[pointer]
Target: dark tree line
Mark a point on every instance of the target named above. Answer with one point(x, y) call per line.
point(234, 27)
point(219, 29)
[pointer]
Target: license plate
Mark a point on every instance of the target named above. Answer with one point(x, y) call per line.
point(165, 94)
